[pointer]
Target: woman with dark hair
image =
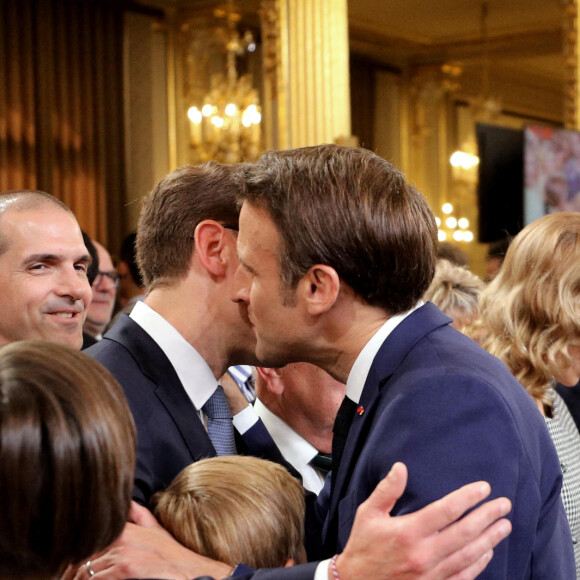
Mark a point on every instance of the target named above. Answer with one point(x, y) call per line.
point(67, 459)
point(531, 313)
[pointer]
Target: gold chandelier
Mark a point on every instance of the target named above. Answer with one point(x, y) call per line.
point(225, 125)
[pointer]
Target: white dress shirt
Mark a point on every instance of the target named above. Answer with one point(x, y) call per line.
point(295, 449)
point(362, 365)
point(192, 370)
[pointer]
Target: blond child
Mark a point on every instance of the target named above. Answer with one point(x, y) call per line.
point(236, 509)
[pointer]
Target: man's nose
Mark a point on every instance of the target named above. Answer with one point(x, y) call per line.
point(74, 284)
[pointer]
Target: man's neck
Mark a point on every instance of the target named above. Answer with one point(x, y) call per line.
point(353, 324)
point(187, 314)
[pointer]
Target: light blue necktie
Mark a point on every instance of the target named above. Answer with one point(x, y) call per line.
point(219, 423)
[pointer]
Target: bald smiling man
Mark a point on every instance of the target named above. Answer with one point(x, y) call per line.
point(43, 270)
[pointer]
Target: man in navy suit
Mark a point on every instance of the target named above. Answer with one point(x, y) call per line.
point(336, 250)
point(424, 544)
point(170, 352)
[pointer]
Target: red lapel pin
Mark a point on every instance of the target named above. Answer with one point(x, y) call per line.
point(360, 410)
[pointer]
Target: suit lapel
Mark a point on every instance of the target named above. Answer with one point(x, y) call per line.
point(388, 358)
point(156, 366)
point(360, 426)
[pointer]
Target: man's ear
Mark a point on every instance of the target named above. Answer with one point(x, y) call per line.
point(320, 287)
point(272, 378)
point(122, 268)
point(210, 242)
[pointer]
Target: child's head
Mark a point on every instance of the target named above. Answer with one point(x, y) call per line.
point(236, 509)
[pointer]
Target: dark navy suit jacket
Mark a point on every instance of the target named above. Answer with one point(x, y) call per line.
point(170, 434)
point(453, 414)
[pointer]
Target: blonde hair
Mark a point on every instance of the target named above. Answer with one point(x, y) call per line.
point(236, 509)
point(532, 308)
point(455, 291)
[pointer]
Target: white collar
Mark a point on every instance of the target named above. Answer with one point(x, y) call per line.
point(295, 449)
point(192, 370)
point(362, 365)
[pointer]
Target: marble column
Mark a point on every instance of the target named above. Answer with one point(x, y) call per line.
point(306, 54)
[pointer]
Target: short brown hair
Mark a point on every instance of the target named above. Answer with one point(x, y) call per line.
point(67, 458)
point(531, 309)
point(351, 210)
point(23, 200)
point(236, 509)
point(172, 211)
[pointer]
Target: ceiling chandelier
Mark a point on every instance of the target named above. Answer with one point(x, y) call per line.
point(225, 125)
point(486, 107)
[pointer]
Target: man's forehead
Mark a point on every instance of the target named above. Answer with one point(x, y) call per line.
point(105, 259)
point(41, 226)
point(256, 221)
point(243, 232)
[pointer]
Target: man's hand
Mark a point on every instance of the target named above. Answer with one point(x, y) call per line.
point(236, 399)
point(428, 544)
point(146, 550)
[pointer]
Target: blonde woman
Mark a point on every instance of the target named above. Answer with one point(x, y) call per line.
point(531, 311)
point(455, 290)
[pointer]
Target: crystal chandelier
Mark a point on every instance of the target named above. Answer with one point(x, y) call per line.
point(226, 125)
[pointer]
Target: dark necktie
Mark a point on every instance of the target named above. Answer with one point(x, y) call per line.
point(342, 425)
point(322, 462)
point(219, 423)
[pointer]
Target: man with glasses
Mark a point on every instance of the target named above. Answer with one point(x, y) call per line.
point(104, 289)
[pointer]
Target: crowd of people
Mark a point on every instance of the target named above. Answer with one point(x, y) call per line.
point(293, 385)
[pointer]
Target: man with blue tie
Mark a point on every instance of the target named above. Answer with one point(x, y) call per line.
point(170, 352)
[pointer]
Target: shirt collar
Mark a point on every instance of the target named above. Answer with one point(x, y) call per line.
point(362, 365)
point(295, 449)
point(192, 370)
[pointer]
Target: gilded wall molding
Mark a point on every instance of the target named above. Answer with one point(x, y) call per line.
point(571, 64)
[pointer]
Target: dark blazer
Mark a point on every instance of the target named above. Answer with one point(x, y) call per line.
point(88, 340)
point(454, 414)
point(170, 434)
